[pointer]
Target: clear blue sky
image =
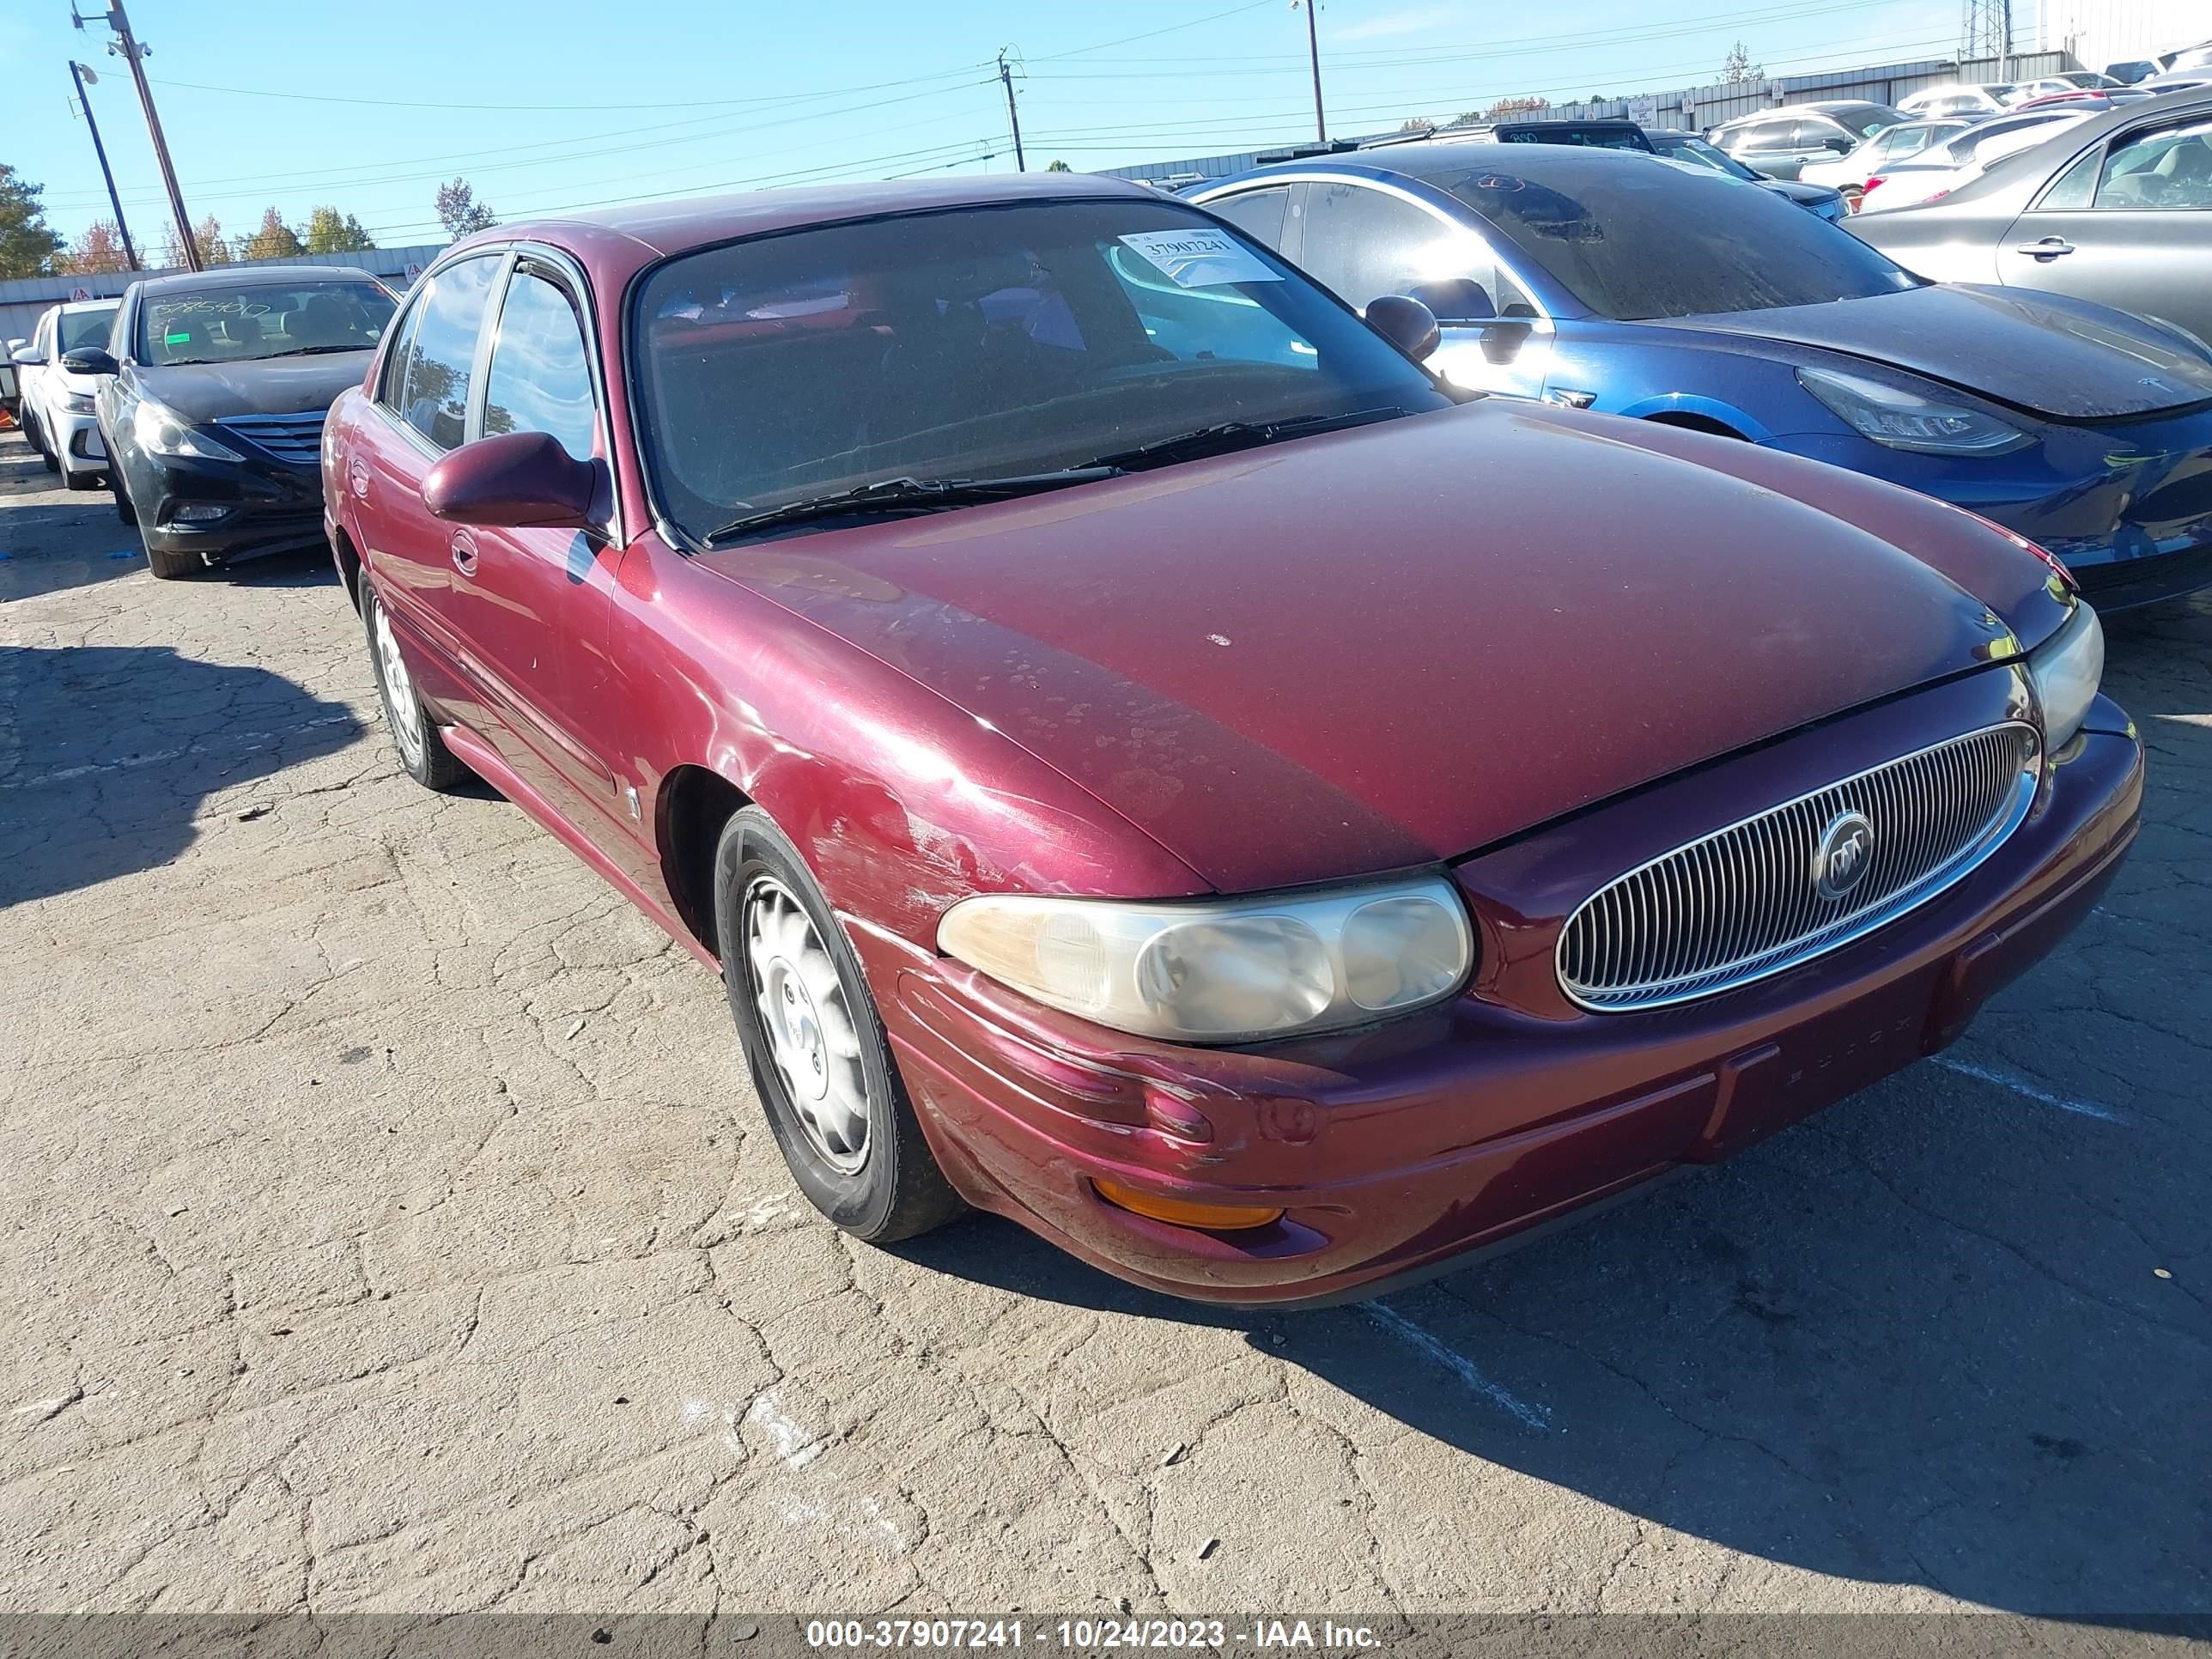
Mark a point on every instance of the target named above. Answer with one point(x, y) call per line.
point(550, 104)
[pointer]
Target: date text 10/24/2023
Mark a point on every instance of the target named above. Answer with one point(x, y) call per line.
point(1091, 1635)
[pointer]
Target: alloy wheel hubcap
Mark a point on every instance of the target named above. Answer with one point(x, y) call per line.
point(808, 1021)
point(399, 691)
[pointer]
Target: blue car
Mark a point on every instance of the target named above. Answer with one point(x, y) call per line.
point(1619, 282)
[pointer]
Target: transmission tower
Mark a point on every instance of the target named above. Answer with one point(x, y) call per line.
point(1985, 31)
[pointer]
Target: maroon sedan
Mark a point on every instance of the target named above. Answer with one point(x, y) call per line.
point(1150, 761)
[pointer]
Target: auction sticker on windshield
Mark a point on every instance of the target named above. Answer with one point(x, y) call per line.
point(1199, 258)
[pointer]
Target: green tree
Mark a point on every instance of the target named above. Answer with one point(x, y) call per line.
point(460, 212)
point(327, 232)
point(207, 236)
point(99, 249)
point(1738, 66)
point(1506, 108)
point(27, 242)
point(1059, 167)
point(275, 239)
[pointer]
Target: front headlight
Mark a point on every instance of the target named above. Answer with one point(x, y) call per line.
point(77, 403)
point(1224, 971)
point(2066, 669)
point(1902, 419)
point(161, 431)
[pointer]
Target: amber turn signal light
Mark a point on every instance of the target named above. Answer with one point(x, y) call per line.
point(1185, 1212)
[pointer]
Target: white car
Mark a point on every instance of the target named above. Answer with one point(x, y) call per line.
point(2071, 81)
point(1943, 167)
point(1885, 150)
point(1990, 98)
point(56, 413)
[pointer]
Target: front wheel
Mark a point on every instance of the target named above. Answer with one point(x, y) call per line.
point(422, 751)
point(814, 1046)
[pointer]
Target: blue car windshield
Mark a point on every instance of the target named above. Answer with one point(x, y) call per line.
point(980, 343)
point(1637, 242)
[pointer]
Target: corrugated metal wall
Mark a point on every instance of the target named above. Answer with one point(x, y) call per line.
point(1695, 109)
point(2101, 32)
point(23, 299)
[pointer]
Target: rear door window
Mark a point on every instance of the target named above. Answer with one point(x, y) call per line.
point(434, 390)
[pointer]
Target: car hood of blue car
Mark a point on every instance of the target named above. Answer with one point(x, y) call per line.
point(2062, 359)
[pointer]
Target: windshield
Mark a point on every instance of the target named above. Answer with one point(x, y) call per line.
point(230, 323)
point(1681, 146)
point(1865, 119)
point(978, 343)
point(86, 328)
point(1638, 242)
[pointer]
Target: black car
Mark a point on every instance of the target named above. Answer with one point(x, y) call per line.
point(213, 415)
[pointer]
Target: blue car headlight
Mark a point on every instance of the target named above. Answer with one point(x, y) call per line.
point(1902, 419)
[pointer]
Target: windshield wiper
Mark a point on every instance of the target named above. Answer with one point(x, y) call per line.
point(305, 351)
point(895, 495)
point(1223, 436)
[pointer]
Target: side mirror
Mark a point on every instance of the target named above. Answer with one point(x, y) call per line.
point(1407, 323)
point(1455, 300)
point(24, 357)
point(89, 360)
point(515, 480)
point(1841, 146)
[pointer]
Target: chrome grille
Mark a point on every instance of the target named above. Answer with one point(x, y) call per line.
point(1742, 903)
point(297, 438)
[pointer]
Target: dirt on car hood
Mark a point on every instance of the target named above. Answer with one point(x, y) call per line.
point(1403, 642)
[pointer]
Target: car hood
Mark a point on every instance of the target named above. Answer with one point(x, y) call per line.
point(1378, 649)
point(274, 385)
point(2054, 357)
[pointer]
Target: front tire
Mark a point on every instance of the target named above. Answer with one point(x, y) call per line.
point(422, 751)
point(816, 1047)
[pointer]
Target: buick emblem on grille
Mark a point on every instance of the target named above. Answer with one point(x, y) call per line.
point(1846, 851)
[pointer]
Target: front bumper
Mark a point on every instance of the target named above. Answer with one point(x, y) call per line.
point(1396, 1152)
point(2127, 505)
point(75, 440)
point(267, 506)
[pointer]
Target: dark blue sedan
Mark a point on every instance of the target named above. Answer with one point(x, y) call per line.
point(1604, 280)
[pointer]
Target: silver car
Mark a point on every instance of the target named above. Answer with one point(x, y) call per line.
point(2116, 209)
point(1779, 141)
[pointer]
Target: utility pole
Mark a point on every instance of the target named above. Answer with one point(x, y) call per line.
point(1013, 111)
point(126, 47)
point(83, 76)
point(1313, 46)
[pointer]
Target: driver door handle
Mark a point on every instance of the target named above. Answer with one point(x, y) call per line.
point(2049, 248)
point(464, 548)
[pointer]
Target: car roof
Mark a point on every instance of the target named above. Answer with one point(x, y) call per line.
point(1560, 164)
point(669, 227)
point(77, 308)
point(253, 276)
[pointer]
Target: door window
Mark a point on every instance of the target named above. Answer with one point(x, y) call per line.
point(433, 388)
point(2168, 167)
point(539, 378)
point(1767, 135)
point(1257, 213)
point(1365, 244)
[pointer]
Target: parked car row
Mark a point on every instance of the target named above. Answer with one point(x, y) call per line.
point(1151, 748)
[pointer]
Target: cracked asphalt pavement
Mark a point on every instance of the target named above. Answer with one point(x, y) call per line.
point(385, 1223)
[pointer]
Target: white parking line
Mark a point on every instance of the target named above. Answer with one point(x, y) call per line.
point(1537, 1417)
point(2020, 1085)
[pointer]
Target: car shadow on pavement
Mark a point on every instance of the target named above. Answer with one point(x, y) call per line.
point(107, 754)
point(1951, 1333)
